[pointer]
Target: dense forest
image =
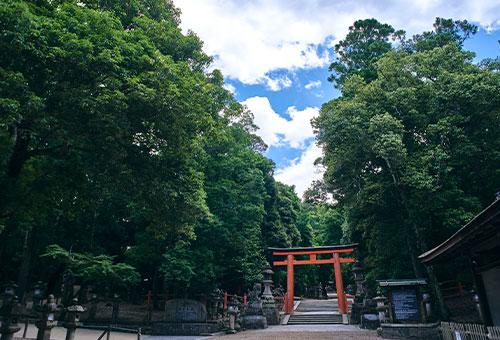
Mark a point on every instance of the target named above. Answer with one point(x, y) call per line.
point(125, 163)
point(412, 146)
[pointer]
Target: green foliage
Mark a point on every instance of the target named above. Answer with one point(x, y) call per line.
point(445, 31)
point(99, 271)
point(117, 140)
point(413, 154)
point(366, 42)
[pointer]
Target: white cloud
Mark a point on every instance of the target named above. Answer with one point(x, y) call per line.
point(250, 39)
point(230, 88)
point(278, 131)
point(313, 84)
point(276, 84)
point(302, 171)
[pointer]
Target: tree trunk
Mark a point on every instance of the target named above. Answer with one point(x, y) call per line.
point(26, 263)
point(433, 281)
point(413, 256)
point(437, 292)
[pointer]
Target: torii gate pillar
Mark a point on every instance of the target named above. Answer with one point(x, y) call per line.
point(289, 285)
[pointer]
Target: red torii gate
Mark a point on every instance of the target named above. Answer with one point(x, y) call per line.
point(312, 252)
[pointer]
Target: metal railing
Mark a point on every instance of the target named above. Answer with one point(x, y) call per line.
point(469, 331)
point(109, 328)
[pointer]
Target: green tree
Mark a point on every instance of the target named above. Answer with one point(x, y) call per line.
point(366, 42)
point(413, 154)
point(103, 106)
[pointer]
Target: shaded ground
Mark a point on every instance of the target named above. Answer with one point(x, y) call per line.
point(314, 332)
point(337, 332)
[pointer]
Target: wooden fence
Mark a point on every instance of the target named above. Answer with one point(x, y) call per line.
point(468, 331)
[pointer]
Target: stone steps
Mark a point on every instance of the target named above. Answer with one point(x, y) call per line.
point(314, 319)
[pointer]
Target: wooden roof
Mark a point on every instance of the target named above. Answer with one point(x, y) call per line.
point(480, 234)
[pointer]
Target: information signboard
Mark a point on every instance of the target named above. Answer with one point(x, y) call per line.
point(405, 304)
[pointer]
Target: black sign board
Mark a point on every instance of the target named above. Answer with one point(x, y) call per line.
point(405, 304)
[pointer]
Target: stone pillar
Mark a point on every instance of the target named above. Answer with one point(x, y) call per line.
point(47, 320)
point(73, 319)
point(10, 312)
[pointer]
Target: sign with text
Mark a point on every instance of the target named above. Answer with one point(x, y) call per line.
point(405, 304)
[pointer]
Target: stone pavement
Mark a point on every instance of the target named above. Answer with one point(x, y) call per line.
point(298, 332)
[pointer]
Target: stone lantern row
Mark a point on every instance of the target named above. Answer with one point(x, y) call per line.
point(12, 311)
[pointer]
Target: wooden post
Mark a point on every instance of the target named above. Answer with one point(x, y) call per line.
point(148, 303)
point(289, 284)
point(338, 282)
point(225, 300)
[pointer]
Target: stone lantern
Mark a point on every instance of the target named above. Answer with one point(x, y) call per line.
point(47, 320)
point(9, 293)
point(11, 312)
point(73, 319)
point(116, 307)
point(37, 297)
point(268, 280)
point(359, 278)
point(269, 309)
point(426, 301)
point(382, 308)
point(232, 311)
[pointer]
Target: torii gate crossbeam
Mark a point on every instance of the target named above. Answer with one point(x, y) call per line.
point(290, 262)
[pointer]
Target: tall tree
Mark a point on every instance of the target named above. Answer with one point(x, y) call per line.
point(413, 154)
point(102, 105)
point(366, 42)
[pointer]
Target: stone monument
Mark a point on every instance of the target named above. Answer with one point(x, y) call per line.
point(254, 315)
point(184, 317)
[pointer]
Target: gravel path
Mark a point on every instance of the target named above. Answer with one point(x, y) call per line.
point(337, 332)
point(298, 332)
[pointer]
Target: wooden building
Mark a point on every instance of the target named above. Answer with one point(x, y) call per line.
point(479, 241)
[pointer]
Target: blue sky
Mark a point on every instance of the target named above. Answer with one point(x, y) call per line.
point(275, 54)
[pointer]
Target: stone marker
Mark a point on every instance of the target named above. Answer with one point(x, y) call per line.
point(184, 317)
point(184, 310)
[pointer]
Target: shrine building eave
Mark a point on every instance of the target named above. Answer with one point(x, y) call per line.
point(482, 233)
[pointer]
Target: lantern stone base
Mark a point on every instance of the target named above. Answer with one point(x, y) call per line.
point(272, 316)
point(178, 328)
point(254, 322)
